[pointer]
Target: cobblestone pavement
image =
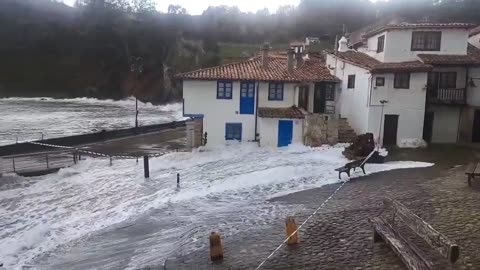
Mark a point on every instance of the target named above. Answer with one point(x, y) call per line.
point(340, 237)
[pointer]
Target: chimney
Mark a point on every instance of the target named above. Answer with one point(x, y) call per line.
point(298, 59)
point(265, 49)
point(343, 45)
point(290, 53)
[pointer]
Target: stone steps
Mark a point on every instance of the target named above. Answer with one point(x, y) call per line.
point(345, 133)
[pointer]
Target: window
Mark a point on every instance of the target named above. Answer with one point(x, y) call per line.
point(275, 91)
point(233, 131)
point(224, 90)
point(402, 80)
point(426, 41)
point(330, 92)
point(351, 81)
point(380, 81)
point(447, 80)
point(380, 44)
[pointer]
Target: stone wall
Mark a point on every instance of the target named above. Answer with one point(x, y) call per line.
point(320, 129)
point(194, 132)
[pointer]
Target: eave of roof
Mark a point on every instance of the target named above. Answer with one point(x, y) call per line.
point(419, 26)
point(289, 113)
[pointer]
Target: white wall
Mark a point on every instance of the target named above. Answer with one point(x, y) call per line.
point(398, 44)
point(409, 104)
point(290, 96)
point(372, 44)
point(445, 123)
point(200, 97)
point(268, 128)
point(475, 40)
point(352, 103)
point(473, 93)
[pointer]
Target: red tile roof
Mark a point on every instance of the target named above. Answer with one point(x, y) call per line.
point(291, 112)
point(419, 26)
point(252, 69)
point(373, 65)
point(446, 59)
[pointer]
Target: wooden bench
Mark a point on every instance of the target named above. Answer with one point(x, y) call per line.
point(473, 170)
point(387, 230)
point(351, 165)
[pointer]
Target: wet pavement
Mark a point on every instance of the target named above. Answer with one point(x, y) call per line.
point(340, 237)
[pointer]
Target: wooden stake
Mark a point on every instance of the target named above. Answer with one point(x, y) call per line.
point(290, 228)
point(216, 249)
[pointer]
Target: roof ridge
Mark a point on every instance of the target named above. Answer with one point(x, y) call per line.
point(220, 66)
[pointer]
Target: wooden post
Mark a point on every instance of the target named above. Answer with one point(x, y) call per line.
point(290, 228)
point(13, 163)
point(178, 179)
point(111, 161)
point(46, 157)
point(146, 170)
point(216, 249)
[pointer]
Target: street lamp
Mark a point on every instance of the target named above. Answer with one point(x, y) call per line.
point(136, 67)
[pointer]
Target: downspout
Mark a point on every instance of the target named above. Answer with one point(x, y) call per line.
point(370, 80)
point(255, 137)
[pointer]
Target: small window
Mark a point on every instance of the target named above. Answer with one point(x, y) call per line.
point(351, 81)
point(233, 131)
point(448, 80)
point(380, 81)
point(330, 92)
point(275, 91)
point(380, 44)
point(426, 41)
point(224, 90)
point(402, 80)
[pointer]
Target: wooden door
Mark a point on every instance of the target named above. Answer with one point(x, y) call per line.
point(285, 132)
point(303, 97)
point(428, 126)
point(319, 98)
point(476, 127)
point(390, 129)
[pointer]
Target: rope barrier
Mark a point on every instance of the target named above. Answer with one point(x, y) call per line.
point(124, 156)
point(301, 225)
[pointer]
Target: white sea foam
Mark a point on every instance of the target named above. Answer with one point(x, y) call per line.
point(25, 119)
point(230, 183)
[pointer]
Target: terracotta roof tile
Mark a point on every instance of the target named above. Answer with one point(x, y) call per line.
point(291, 112)
point(373, 65)
point(446, 59)
point(418, 26)
point(311, 70)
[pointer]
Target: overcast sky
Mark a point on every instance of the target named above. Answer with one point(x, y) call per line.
point(196, 7)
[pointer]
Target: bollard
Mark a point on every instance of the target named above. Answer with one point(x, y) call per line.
point(111, 161)
point(46, 157)
point(178, 179)
point(291, 227)
point(216, 249)
point(146, 170)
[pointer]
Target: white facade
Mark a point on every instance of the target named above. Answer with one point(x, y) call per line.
point(269, 131)
point(200, 99)
point(398, 43)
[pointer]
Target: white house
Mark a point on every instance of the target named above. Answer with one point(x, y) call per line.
point(263, 99)
point(407, 82)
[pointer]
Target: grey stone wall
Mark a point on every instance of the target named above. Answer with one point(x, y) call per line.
point(320, 129)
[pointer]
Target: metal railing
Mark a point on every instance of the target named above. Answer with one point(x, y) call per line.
point(448, 96)
point(37, 162)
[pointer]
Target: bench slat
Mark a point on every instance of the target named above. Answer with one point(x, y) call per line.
point(477, 170)
point(471, 168)
point(399, 246)
point(435, 239)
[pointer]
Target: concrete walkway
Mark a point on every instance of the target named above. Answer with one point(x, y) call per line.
point(340, 237)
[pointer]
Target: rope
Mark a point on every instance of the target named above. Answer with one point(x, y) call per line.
point(301, 225)
point(97, 153)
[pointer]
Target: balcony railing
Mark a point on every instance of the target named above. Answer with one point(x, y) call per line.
point(454, 96)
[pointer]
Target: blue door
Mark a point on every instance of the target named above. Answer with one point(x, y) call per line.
point(247, 97)
point(285, 132)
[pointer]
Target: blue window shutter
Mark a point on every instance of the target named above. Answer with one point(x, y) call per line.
point(224, 89)
point(233, 131)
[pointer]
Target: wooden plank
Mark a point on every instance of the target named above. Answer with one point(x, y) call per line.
point(471, 168)
point(435, 239)
point(402, 249)
point(477, 170)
